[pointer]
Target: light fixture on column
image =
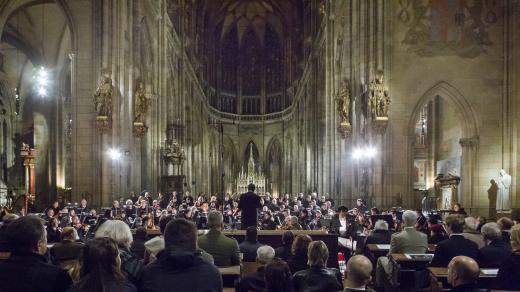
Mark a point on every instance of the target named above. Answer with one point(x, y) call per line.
point(42, 81)
point(114, 154)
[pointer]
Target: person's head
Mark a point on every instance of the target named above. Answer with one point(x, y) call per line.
point(83, 202)
point(491, 231)
point(251, 187)
point(115, 204)
point(118, 231)
point(300, 245)
point(215, 220)
point(505, 223)
point(462, 270)
point(294, 220)
point(455, 223)
point(181, 233)
point(251, 234)
point(163, 221)
point(287, 238)
point(359, 202)
point(55, 204)
point(342, 211)
point(515, 237)
point(264, 254)
point(54, 222)
point(8, 218)
point(69, 233)
point(381, 225)
point(471, 223)
point(100, 265)
point(318, 254)
point(27, 234)
point(374, 211)
point(456, 207)
point(278, 276)
point(409, 218)
point(358, 272)
point(50, 212)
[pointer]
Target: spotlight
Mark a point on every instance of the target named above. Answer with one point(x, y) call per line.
point(42, 81)
point(357, 153)
point(371, 152)
point(114, 154)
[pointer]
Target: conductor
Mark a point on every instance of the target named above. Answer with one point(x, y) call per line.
point(249, 203)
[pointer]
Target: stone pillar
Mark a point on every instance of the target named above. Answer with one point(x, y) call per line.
point(469, 180)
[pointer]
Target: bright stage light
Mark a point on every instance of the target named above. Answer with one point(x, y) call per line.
point(42, 81)
point(114, 154)
point(367, 152)
point(357, 153)
point(371, 152)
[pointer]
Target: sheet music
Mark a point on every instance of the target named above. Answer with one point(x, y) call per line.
point(383, 246)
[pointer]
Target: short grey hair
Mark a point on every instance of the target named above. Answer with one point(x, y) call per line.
point(381, 225)
point(409, 218)
point(318, 254)
point(264, 254)
point(491, 231)
point(118, 231)
point(215, 219)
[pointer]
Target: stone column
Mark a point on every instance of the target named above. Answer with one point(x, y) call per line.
point(469, 179)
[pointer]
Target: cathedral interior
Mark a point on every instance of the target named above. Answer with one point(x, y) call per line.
point(388, 101)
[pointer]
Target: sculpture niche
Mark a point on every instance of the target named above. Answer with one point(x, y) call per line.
point(141, 106)
point(378, 104)
point(343, 108)
point(103, 104)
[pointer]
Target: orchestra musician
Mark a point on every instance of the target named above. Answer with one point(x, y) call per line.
point(248, 206)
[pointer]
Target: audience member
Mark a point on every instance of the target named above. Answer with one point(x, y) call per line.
point(508, 277)
point(437, 234)
point(471, 232)
point(249, 246)
point(463, 274)
point(224, 250)
point(284, 251)
point(156, 244)
point(26, 268)
point(180, 267)
point(101, 268)
point(380, 235)
point(256, 280)
point(137, 247)
point(67, 249)
point(6, 219)
point(496, 251)
point(120, 232)
point(407, 241)
point(298, 260)
point(278, 277)
point(358, 274)
point(505, 225)
point(456, 245)
point(318, 277)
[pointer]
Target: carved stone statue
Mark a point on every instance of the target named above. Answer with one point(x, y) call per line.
point(504, 182)
point(103, 97)
point(343, 102)
point(141, 104)
point(379, 100)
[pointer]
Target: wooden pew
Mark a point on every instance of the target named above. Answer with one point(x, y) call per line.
point(485, 278)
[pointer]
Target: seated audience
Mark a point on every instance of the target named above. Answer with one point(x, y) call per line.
point(463, 274)
point(437, 234)
point(256, 281)
point(505, 225)
point(471, 232)
point(407, 241)
point(68, 248)
point(298, 260)
point(180, 267)
point(6, 219)
point(318, 277)
point(53, 230)
point(156, 244)
point(380, 235)
point(278, 277)
point(120, 232)
point(358, 274)
point(224, 250)
point(137, 247)
point(250, 244)
point(284, 251)
point(496, 251)
point(456, 245)
point(508, 277)
point(101, 268)
point(26, 269)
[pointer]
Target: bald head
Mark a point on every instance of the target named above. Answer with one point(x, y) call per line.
point(462, 270)
point(358, 272)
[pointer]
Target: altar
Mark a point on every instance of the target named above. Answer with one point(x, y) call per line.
point(251, 177)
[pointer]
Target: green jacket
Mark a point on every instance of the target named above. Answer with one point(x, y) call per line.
point(224, 250)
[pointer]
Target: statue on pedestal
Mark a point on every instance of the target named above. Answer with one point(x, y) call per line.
point(141, 104)
point(503, 200)
point(103, 97)
point(379, 100)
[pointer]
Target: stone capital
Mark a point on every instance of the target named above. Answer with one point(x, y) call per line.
point(469, 142)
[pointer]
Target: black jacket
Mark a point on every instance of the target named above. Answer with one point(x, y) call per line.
point(27, 272)
point(456, 245)
point(253, 282)
point(283, 252)
point(66, 250)
point(249, 250)
point(508, 277)
point(249, 204)
point(179, 270)
point(131, 265)
point(298, 263)
point(317, 279)
point(379, 237)
point(467, 288)
point(494, 254)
